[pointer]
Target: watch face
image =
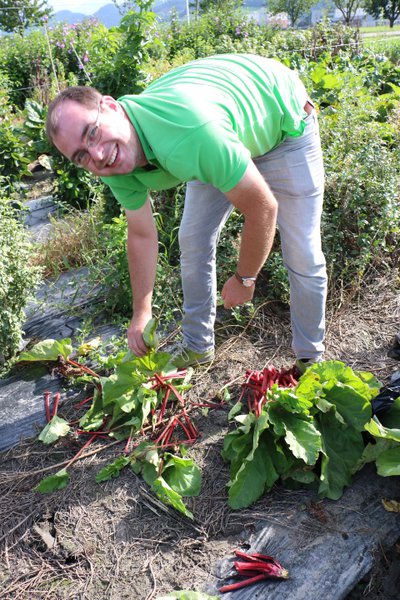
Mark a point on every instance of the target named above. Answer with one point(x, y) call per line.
point(247, 282)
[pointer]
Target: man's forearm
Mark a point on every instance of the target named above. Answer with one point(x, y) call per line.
point(256, 241)
point(142, 261)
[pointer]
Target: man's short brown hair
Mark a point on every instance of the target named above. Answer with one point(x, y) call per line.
point(85, 95)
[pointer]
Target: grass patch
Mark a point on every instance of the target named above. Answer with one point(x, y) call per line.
point(73, 242)
point(379, 29)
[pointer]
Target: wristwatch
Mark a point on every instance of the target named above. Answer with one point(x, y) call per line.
point(246, 281)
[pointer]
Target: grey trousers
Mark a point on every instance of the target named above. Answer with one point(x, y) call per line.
point(294, 172)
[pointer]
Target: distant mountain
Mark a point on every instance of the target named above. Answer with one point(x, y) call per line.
point(66, 16)
point(109, 15)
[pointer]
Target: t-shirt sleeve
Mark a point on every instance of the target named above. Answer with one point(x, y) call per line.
point(128, 192)
point(212, 154)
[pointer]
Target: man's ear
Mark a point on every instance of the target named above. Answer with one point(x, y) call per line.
point(109, 102)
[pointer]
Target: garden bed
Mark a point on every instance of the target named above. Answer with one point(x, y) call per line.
point(115, 540)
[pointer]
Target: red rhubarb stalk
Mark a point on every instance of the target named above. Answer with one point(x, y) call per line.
point(47, 405)
point(241, 584)
point(56, 402)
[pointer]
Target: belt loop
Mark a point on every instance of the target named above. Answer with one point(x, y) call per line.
point(308, 107)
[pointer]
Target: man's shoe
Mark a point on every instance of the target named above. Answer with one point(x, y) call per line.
point(303, 363)
point(184, 357)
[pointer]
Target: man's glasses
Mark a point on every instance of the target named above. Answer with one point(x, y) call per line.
point(92, 139)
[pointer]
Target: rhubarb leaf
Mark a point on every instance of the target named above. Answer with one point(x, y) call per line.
point(342, 447)
point(302, 437)
point(54, 429)
point(112, 470)
point(52, 483)
point(376, 429)
point(47, 350)
point(94, 417)
point(167, 495)
point(182, 475)
point(256, 475)
point(124, 380)
point(354, 407)
point(150, 335)
point(388, 463)
point(290, 401)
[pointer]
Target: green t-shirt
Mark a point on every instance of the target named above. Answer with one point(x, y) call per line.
point(206, 120)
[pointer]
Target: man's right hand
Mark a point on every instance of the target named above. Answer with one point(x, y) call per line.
point(135, 335)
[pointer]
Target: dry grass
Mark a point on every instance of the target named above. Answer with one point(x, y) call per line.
point(73, 242)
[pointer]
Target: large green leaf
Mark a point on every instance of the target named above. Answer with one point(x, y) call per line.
point(290, 401)
point(302, 437)
point(256, 475)
point(150, 335)
point(342, 448)
point(372, 451)
point(332, 372)
point(182, 475)
point(47, 350)
point(354, 407)
point(148, 401)
point(310, 387)
point(280, 454)
point(94, 417)
point(166, 494)
point(113, 469)
point(299, 431)
point(388, 463)
point(52, 483)
point(304, 476)
point(152, 362)
point(237, 445)
point(376, 429)
point(120, 383)
point(54, 429)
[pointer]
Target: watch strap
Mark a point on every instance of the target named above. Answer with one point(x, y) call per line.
point(241, 278)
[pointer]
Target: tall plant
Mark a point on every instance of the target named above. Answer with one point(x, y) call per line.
point(17, 278)
point(18, 15)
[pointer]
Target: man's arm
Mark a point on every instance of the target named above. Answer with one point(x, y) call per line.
point(142, 260)
point(255, 200)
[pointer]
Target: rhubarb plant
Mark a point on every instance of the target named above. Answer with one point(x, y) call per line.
point(312, 434)
point(170, 477)
point(143, 403)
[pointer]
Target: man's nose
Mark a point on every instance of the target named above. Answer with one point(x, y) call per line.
point(96, 152)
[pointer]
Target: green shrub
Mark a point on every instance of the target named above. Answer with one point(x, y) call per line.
point(17, 278)
point(13, 151)
point(362, 211)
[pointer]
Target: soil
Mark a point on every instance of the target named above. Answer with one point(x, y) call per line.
point(115, 540)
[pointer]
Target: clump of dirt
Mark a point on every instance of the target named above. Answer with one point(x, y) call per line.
point(116, 540)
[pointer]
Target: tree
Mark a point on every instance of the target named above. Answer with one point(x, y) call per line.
point(228, 5)
point(389, 9)
point(294, 8)
point(18, 15)
point(348, 8)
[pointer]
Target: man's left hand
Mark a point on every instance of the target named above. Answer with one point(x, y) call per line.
point(235, 294)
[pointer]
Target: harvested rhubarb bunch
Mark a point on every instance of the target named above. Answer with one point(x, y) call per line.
point(257, 383)
point(253, 568)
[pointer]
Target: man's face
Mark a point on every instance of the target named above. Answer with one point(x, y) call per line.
point(102, 140)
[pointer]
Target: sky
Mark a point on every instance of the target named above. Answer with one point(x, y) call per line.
point(88, 7)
